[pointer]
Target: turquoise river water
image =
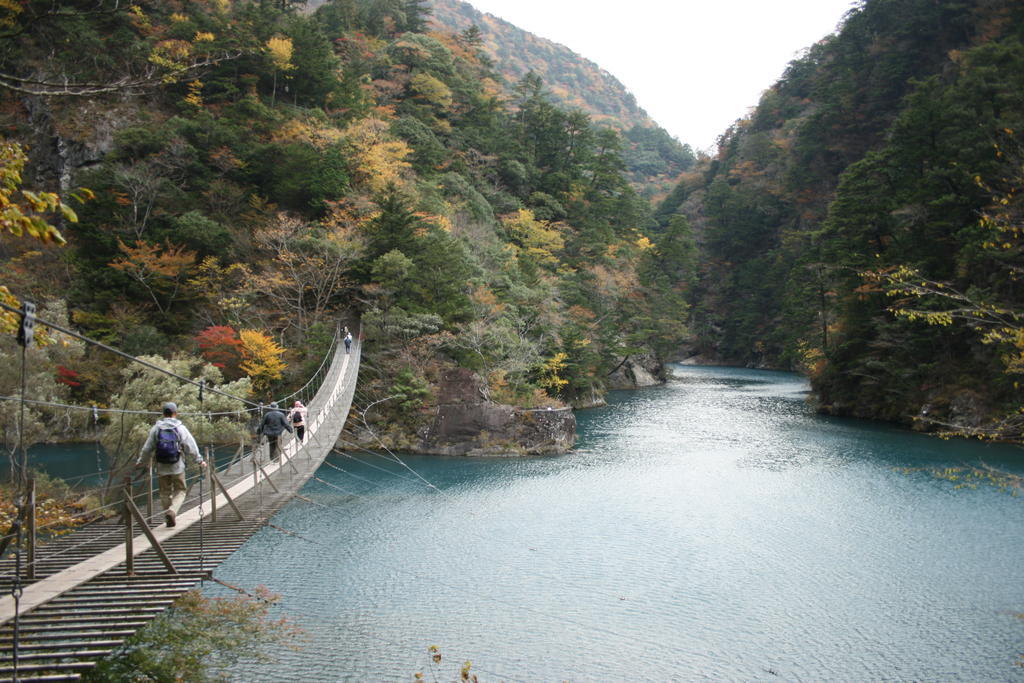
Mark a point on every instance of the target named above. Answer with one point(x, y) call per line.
point(714, 529)
point(711, 529)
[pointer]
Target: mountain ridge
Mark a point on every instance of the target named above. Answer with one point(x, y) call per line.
point(655, 159)
point(621, 109)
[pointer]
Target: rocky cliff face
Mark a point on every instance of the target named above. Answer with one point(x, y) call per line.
point(637, 371)
point(467, 423)
point(69, 137)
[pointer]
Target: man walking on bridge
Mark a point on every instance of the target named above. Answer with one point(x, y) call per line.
point(167, 441)
point(273, 425)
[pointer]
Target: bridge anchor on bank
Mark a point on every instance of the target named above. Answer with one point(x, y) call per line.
point(84, 594)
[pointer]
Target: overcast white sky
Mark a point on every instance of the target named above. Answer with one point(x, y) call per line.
point(695, 65)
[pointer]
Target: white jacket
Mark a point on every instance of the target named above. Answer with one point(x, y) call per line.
point(301, 410)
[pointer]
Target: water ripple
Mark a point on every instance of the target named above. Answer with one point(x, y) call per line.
point(712, 529)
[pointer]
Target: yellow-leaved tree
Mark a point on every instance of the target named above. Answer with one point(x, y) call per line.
point(280, 50)
point(550, 379)
point(262, 360)
point(27, 213)
point(432, 90)
point(540, 241)
point(379, 158)
point(23, 212)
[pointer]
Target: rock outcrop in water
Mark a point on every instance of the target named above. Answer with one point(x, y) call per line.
point(466, 423)
point(636, 372)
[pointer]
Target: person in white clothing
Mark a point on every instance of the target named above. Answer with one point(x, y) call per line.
point(166, 444)
point(298, 419)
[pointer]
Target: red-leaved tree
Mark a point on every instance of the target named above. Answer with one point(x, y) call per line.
point(221, 347)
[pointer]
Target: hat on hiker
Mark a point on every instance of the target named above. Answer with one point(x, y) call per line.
point(170, 408)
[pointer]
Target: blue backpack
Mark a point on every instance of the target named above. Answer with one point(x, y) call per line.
point(168, 446)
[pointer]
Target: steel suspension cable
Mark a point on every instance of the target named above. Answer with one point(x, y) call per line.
point(375, 484)
point(124, 411)
point(122, 354)
point(369, 464)
point(336, 487)
point(327, 356)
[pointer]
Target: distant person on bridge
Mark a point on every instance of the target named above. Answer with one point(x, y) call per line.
point(348, 340)
point(274, 423)
point(166, 443)
point(298, 419)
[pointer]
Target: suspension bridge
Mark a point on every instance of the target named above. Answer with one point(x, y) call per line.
point(67, 604)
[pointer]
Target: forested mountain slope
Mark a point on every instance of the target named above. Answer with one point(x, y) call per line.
point(572, 79)
point(863, 222)
point(260, 171)
point(653, 157)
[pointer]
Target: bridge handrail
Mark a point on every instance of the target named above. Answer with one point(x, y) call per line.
point(46, 589)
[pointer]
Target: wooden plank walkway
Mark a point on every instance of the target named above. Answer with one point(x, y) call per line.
point(83, 603)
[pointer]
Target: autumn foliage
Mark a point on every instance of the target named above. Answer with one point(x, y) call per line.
point(221, 346)
point(161, 270)
point(287, 168)
point(261, 359)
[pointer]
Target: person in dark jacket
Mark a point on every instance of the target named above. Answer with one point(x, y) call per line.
point(274, 422)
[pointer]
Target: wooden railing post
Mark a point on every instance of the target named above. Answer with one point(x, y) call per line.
point(238, 454)
point(210, 467)
point(269, 480)
point(134, 512)
point(149, 497)
point(129, 531)
point(227, 496)
point(256, 455)
point(30, 568)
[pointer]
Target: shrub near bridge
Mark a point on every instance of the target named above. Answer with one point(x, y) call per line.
point(197, 638)
point(59, 509)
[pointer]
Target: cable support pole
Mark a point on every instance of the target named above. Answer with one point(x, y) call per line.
point(202, 499)
point(213, 490)
point(30, 566)
point(129, 533)
point(96, 435)
point(18, 478)
point(111, 349)
point(16, 592)
point(25, 337)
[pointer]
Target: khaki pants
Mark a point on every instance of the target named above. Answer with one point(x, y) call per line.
point(172, 491)
point(275, 449)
